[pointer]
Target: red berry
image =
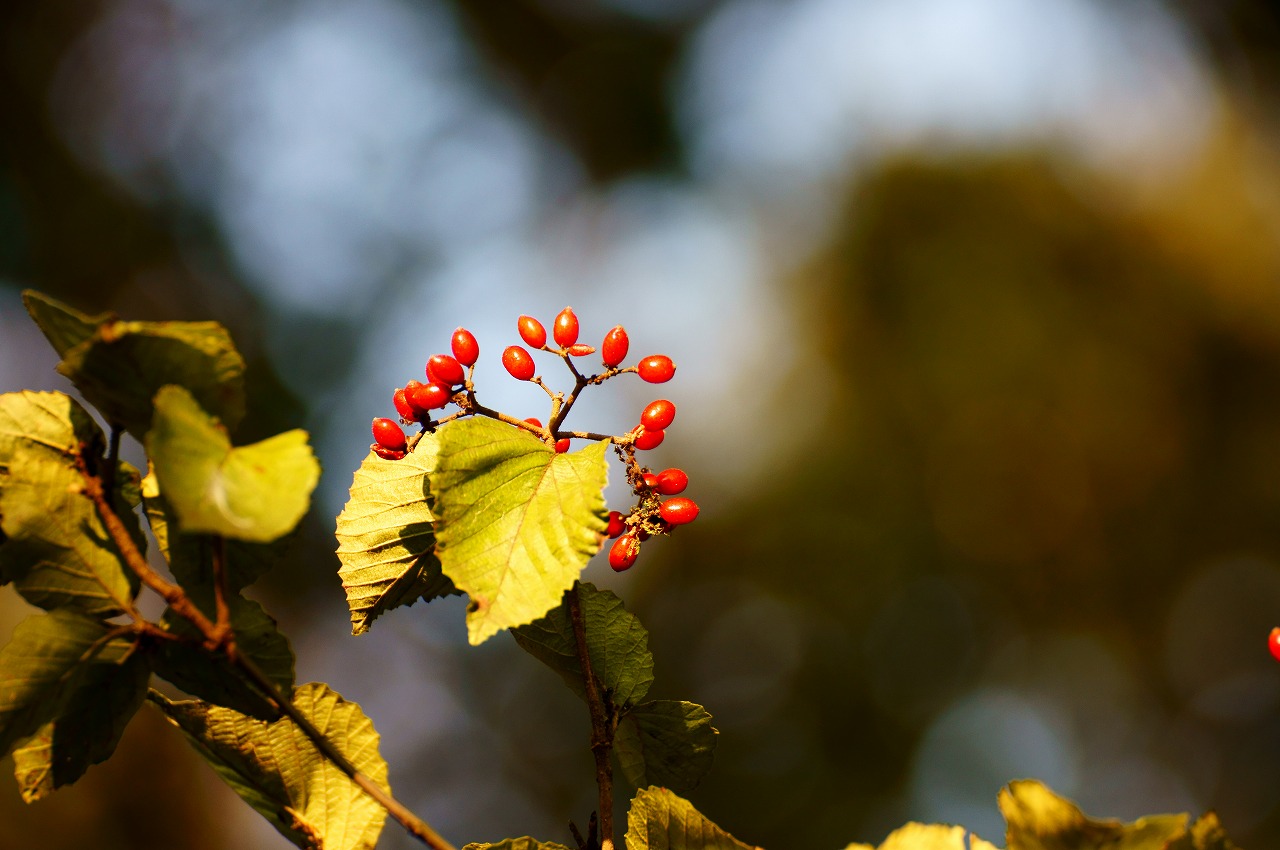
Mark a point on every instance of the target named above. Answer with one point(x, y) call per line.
point(388, 434)
point(623, 552)
point(614, 348)
point(616, 524)
point(428, 396)
point(465, 348)
point(1273, 643)
point(650, 480)
point(581, 350)
point(401, 401)
point(565, 329)
point(672, 481)
point(679, 510)
point(658, 415)
point(532, 332)
point(445, 370)
point(388, 454)
point(650, 440)
point(562, 446)
point(656, 369)
point(518, 362)
point(534, 421)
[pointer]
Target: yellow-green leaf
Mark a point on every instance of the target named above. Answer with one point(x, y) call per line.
point(665, 742)
point(516, 522)
point(660, 820)
point(524, 843)
point(920, 836)
point(1038, 819)
point(257, 492)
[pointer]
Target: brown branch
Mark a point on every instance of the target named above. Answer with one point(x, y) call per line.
point(220, 591)
point(603, 722)
point(184, 607)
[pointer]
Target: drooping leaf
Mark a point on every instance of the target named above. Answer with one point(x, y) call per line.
point(44, 663)
point(665, 742)
point(920, 836)
point(190, 556)
point(209, 675)
point(56, 549)
point(524, 843)
point(88, 728)
point(256, 493)
point(516, 522)
point(659, 820)
point(119, 366)
point(1038, 819)
point(275, 768)
point(386, 542)
point(617, 644)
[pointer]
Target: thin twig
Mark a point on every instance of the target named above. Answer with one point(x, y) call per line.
point(222, 609)
point(603, 722)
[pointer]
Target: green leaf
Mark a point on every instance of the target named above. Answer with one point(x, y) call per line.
point(919, 836)
point(190, 556)
point(56, 549)
point(1038, 819)
point(277, 770)
point(666, 742)
point(617, 645)
point(119, 366)
point(517, 522)
point(88, 728)
point(385, 540)
point(525, 843)
point(659, 820)
point(256, 493)
point(209, 675)
point(44, 663)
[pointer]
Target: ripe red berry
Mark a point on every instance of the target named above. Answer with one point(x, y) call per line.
point(679, 510)
point(650, 480)
point(623, 552)
point(401, 401)
point(650, 440)
point(565, 329)
point(445, 370)
point(465, 348)
point(658, 415)
point(1273, 643)
point(388, 434)
point(428, 396)
point(388, 454)
point(614, 348)
point(672, 481)
point(518, 362)
point(656, 369)
point(562, 446)
point(581, 350)
point(531, 331)
point(616, 524)
point(534, 421)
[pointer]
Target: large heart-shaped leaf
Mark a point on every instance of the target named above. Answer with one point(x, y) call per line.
point(257, 492)
point(516, 522)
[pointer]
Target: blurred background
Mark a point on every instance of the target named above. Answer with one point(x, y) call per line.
point(976, 305)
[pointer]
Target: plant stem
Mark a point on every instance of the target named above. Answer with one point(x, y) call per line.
point(220, 594)
point(183, 606)
point(604, 722)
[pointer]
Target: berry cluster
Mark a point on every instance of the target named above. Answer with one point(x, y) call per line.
point(449, 382)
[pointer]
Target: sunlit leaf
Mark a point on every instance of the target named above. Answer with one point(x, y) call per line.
point(516, 521)
point(56, 549)
point(119, 366)
point(43, 665)
point(88, 727)
point(275, 768)
point(256, 493)
point(524, 843)
point(919, 836)
point(209, 675)
point(1038, 819)
point(617, 645)
point(385, 539)
point(665, 742)
point(659, 820)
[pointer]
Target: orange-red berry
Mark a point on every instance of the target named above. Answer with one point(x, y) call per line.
point(679, 510)
point(565, 329)
point(388, 454)
point(656, 368)
point(650, 440)
point(428, 396)
point(658, 415)
point(531, 331)
point(617, 525)
point(623, 552)
point(518, 362)
point(388, 434)
point(672, 481)
point(614, 348)
point(650, 480)
point(403, 407)
point(1273, 643)
point(445, 370)
point(562, 445)
point(581, 350)
point(465, 348)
